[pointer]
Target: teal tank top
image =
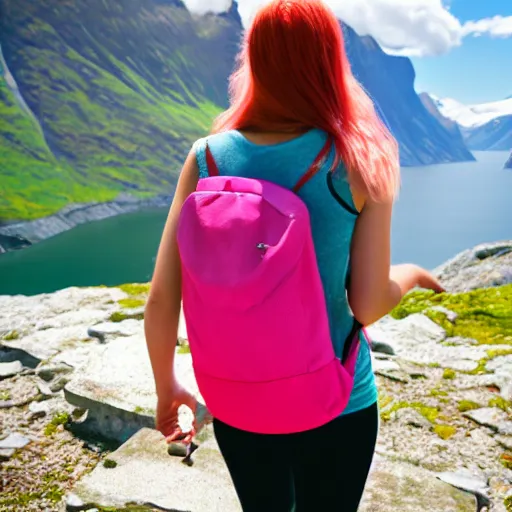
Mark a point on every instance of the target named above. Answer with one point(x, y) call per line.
point(332, 224)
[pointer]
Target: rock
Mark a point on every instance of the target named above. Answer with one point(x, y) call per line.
point(418, 339)
point(451, 316)
point(457, 340)
point(466, 481)
point(401, 487)
point(10, 355)
point(58, 384)
point(207, 486)
point(502, 368)
point(10, 369)
point(173, 485)
point(117, 387)
point(491, 417)
point(55, 324)
point(382, 348)
point(48, 372)
point(44, 390)
point(483, 266)
point(505, 441)
point(382, 365)
point(409, 416)
point(105, 330)
point(14, 441)
point(73, 502)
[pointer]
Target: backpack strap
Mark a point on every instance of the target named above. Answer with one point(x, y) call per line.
point(315, 166)
point(211, 164)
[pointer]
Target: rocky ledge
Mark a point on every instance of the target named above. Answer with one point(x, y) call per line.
point(19, 235)
point(77, 408)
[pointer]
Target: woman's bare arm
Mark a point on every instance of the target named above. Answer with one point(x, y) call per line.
point(376, 287)
point(164, 302)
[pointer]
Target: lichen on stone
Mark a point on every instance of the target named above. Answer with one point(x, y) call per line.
point(500, 403)
point(11, 336)
point(135, 289)
point(492, 354)
point(467, 405)
point(445, 431)
point(438, 392)
point(131, 303)
point(449, 374)
point(120, 316)
point(430, 413)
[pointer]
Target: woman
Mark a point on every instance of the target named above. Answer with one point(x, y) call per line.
point(292, 90)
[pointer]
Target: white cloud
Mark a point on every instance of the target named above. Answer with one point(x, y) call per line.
point(498, 26)
point(404, 27)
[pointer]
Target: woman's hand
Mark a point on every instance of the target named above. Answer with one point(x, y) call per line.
point(167, 414)
point(428, 281)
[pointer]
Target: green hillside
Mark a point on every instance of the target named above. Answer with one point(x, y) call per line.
point(119, 90)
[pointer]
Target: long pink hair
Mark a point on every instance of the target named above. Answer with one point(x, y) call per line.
point(293, 74)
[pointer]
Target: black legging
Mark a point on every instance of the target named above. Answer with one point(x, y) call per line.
point(324, 469)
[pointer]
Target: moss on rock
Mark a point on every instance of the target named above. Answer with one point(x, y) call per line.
point(430, 413)
point(11, 336)
point(135, 289)
point(109, 464)
point(445, 431)
point(131, 303)
point(484, 315)
point(119, 316)
point(500, 403)
point(449, 374)
point(57, 420)
point(467, 405)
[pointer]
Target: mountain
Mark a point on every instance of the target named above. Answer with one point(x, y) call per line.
point(104, 97)
point(508, 163)
point(448, 124)
point(389, 80)
point(486, 126)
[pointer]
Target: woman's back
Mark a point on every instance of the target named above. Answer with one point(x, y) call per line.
point(332, 223)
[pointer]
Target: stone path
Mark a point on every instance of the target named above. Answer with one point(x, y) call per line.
point(83, 376)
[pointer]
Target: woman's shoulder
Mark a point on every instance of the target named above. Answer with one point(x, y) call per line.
point(214, 140)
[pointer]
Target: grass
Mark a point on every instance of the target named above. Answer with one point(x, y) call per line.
point(484, 315)
point(101, 120)
point(57, 420)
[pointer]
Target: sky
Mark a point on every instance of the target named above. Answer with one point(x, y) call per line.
point(461, 49)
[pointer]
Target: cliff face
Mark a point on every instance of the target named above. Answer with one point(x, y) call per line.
point(115, 91)
point(496, 135)
point(390, 82)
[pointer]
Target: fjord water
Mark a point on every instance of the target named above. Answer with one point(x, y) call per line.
point(442, 210)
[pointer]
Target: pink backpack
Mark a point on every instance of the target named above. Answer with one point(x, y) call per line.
point(255, 307)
